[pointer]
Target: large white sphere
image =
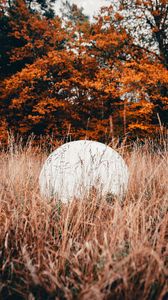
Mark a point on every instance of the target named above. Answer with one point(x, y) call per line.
point(73, 169)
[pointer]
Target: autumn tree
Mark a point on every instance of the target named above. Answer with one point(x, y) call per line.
point(21, 26)
point(100, 57)
point(94, 83)
point(144, 79)
point(30, 36)
point(41, 96)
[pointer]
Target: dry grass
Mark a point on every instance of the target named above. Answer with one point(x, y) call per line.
point(90, 249)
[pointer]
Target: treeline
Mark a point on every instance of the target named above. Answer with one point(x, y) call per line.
point(101, 79)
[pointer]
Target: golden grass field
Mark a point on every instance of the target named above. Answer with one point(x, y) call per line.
point(84, 250)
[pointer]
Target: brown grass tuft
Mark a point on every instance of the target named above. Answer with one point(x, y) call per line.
point(89, 249)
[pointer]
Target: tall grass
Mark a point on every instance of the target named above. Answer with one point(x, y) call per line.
point(87, 249)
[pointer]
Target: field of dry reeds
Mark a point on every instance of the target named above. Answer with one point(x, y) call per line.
point(84, 250)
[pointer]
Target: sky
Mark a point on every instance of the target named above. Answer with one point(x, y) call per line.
point(91, 7)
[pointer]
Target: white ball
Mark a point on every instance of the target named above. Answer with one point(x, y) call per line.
point(73, 169)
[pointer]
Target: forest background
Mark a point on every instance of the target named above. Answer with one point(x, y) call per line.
point(81, 78)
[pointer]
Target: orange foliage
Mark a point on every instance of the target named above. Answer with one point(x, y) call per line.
point(80, 76)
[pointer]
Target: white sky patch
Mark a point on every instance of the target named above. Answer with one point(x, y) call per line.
point(91, 7)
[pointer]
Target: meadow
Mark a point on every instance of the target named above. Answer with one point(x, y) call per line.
point(90, 249)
